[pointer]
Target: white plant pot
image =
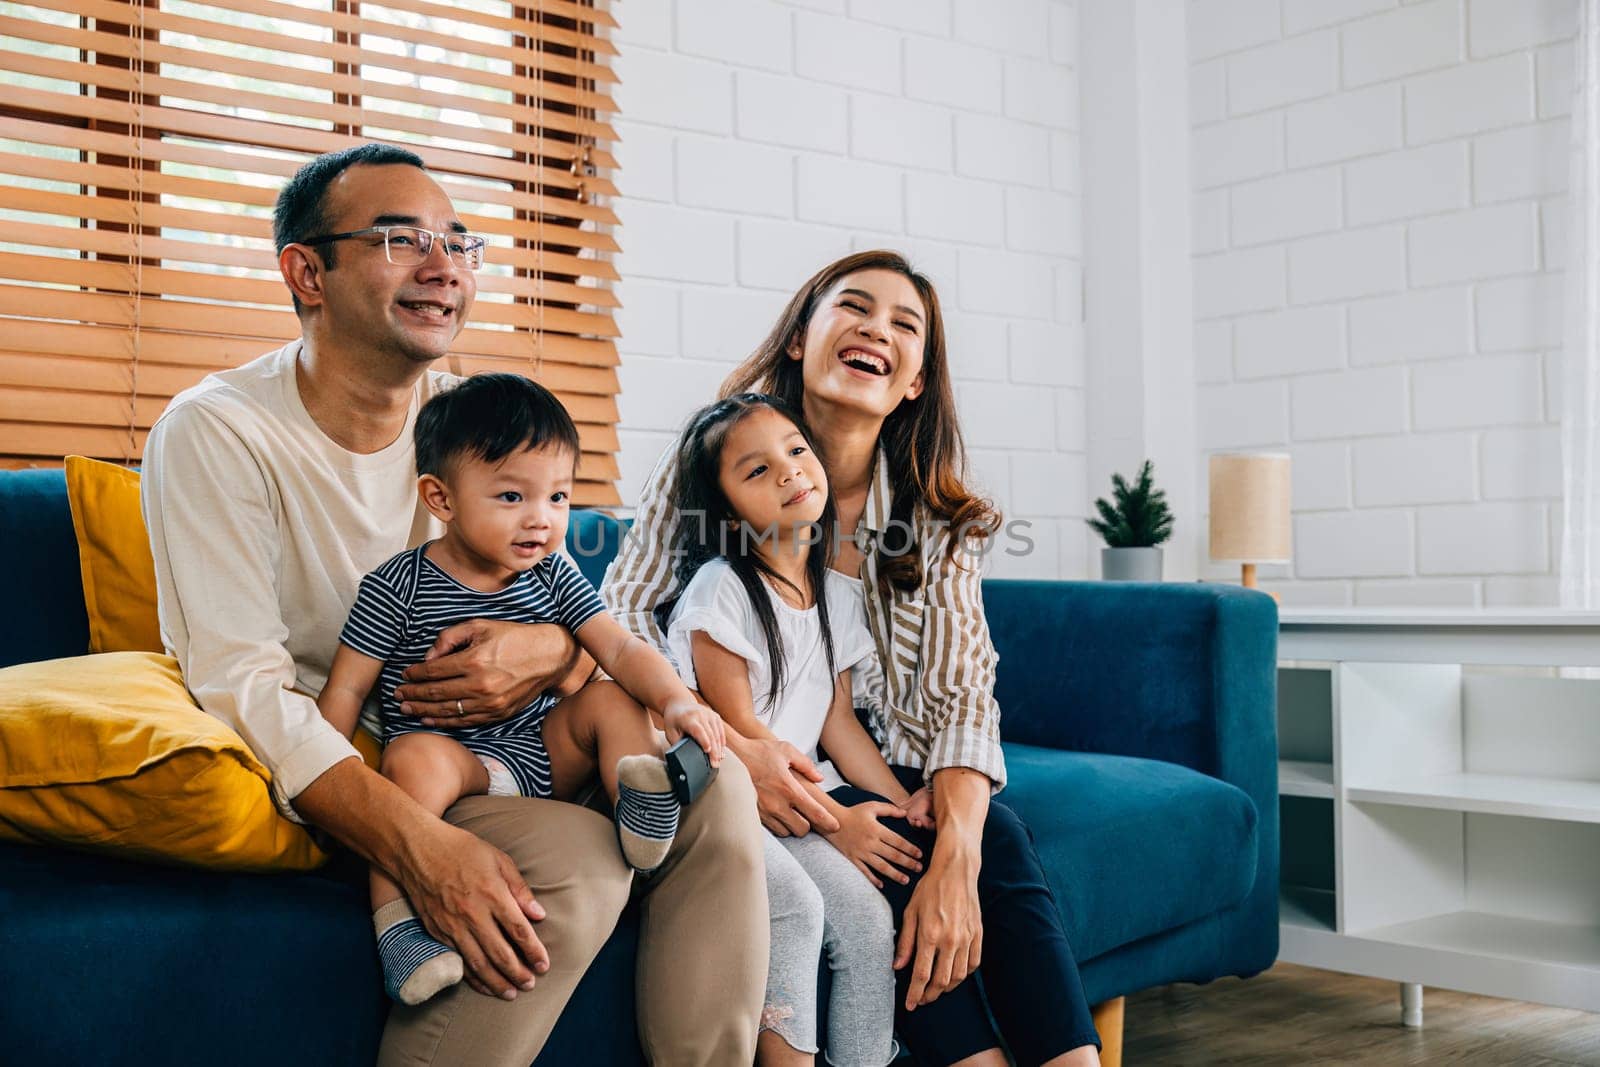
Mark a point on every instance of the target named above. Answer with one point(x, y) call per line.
point(1130, 564)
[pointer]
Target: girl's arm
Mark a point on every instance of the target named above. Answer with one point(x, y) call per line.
point(875, 850)
point(350, 679)
point(796, 803)
point(852, 749)
point(724, 679)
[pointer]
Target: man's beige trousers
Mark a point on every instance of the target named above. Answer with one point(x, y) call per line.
point(702, 963)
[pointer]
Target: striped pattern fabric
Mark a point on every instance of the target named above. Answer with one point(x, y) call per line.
point(651, 815)
point(403, 606)
point(933, 706)
point(403, 948)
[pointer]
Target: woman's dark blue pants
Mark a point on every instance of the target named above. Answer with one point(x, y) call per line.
point(1028, 976)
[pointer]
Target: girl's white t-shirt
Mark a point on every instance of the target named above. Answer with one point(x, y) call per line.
point(716, 603)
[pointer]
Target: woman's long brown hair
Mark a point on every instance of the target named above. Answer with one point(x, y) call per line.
point(921, 438)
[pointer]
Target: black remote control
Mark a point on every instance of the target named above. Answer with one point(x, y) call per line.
point(689, 770)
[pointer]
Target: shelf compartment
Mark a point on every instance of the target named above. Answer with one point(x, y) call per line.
point(1304, 778)
point(1505, 937)
point(1305, 714)
point(1306, 907)
point(1461, 844)
point(1561, 799)
point(1499, 955)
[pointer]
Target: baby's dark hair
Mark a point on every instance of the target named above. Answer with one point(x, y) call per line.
point(488, 417)
point(708, 527)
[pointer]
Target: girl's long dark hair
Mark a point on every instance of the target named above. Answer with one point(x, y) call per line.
point(921, 439)
point(708, 527)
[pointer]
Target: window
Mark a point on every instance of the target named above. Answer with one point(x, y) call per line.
point(142, 144)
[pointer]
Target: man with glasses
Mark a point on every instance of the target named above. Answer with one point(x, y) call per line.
point(269, 490)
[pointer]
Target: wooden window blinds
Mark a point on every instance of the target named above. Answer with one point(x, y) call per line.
point(143, 143)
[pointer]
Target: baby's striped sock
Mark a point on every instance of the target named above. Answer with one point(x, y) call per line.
point(415, 966)
point(647, 812)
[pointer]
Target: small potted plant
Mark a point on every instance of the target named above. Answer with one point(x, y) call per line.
point(1133, 528)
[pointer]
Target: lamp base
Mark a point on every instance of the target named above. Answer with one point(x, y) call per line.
point(1247, 578)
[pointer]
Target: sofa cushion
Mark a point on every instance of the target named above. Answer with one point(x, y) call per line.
point(111, 752)
point(1140, 847)
point(45, 618)
point(113, 962)
point(244, 968)
point(119, 573)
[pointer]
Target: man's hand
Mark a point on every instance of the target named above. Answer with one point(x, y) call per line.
point(942, 929)
point(877, 851)
point(486, 670)
point(466, 892)
point(470, 894)
point(785, 803)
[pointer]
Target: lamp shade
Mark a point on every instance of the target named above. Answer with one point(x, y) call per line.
point(1250, 508)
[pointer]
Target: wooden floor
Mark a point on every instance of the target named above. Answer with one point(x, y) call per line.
point(1296, 1015)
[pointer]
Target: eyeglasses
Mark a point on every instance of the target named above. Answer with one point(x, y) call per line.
point(407, 246)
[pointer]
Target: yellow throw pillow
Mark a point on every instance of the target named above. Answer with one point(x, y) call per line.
point(110, 752)
point(119, 574)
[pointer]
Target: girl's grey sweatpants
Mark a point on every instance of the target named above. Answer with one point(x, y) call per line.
point(819, 901)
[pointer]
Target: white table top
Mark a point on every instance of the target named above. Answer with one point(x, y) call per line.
point(1535, 637)
point(1437, 617)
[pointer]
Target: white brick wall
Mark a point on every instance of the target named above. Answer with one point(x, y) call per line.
point(764, 138)
point(1342, 266)
point(1288, 342)
point(1405, 41)
point(1288, 205)
point(1377, 221)
point(1400, 185)
point(1343, 126)
point(1470, 99)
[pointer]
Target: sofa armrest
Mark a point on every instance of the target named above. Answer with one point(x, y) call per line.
point(1185, 673)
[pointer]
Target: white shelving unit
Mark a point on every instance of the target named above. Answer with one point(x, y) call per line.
point(1440, 800)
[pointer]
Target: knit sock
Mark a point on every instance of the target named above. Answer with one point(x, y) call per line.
point(415, 966)
point(647, 812)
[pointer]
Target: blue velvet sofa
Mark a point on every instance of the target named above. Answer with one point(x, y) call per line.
point(1139, 723)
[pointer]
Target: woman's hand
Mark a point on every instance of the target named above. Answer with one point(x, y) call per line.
point(486, 670)
point(873, 847)
point(698, 722)
point(941, 932)
point(942, 929)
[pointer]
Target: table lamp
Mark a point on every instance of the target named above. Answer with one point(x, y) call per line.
point(1250, 511)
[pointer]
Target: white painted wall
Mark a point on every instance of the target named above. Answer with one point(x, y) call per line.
point(764, 138)
point(1138, 267)
point(1377, 224)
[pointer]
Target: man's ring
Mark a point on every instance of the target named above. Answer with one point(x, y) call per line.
point(460, 711)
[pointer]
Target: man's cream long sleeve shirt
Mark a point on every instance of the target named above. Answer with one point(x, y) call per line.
point(262, 527)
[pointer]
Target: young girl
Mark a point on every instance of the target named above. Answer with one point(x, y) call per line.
point(768, 633)
point(496, 458)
